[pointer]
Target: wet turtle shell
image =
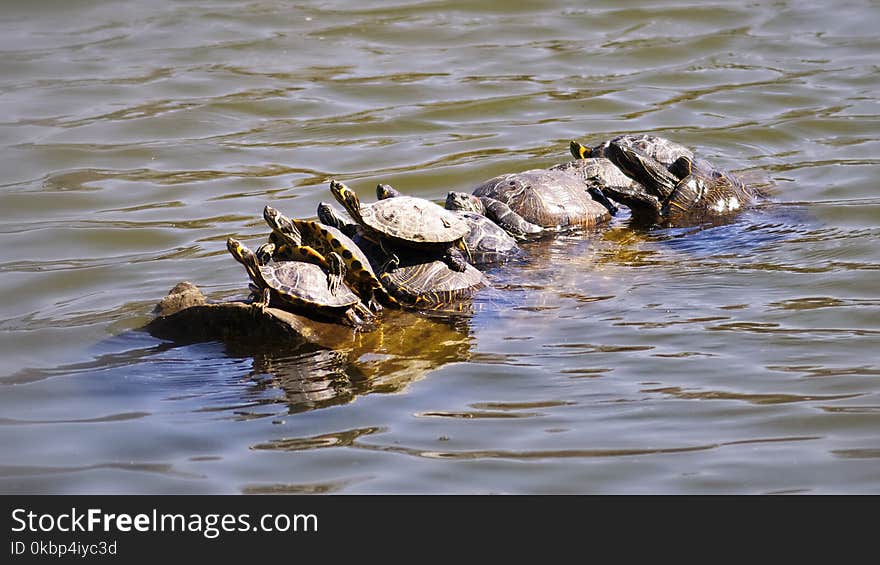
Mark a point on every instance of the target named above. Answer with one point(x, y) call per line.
point(551, 198)
point(429, 284)
point(487, 242)
point(323, 239)
point(304, 286)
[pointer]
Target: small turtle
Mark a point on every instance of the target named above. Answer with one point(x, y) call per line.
point(413, 282)
point(495, 210)
point(688, 191)
point(656, 147)
point(303, 286)
point(306, 239)
point(408, 223)
point(487, 242)
point(555, 198)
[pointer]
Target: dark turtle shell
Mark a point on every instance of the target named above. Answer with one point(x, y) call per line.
point(487, 242)
point(551, 198)
point(430, 284)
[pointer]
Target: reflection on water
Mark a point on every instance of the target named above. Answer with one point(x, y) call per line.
point(731, 358)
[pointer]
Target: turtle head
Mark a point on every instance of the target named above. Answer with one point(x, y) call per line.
point(462, 201)
point(682, 167)
point(327, 215)
point(384, 191)
point(580, 151)
point(347, 197)
point(241, 253)
point(272, 217)
point(283, 226)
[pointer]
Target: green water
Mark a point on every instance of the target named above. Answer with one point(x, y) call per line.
point(137, 136)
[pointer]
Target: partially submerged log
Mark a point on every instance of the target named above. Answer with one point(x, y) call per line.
point(186, 315)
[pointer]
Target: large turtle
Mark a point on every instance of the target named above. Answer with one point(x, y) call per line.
point(487, 242)
point(413, 282)
point(555, 198)
point(302, 286)
point(686, 192)
point(306, 239)
point(407, 223)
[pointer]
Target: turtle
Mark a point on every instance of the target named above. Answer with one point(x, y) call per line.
point(407, 223)
point(656, 147)
point(413, 282)
point(687, 191)
point(555, 198)
point(303, 286)
point(495, 210)
point(487, 242)
point(306, 239)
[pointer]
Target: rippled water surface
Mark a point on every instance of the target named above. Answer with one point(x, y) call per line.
point(137, 136)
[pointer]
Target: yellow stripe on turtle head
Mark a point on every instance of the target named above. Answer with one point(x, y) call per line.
point(579, 151)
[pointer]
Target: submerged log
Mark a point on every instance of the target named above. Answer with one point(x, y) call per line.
point(186, 315)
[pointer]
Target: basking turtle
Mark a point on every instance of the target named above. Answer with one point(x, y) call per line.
point(303, 286)
point(304, 240)
point(487, 242)
point(656, 147)
point(688, 191)
point(555, 198)
point(413, 282)
point(408, 223)
point(495, 210)
point(429, 284)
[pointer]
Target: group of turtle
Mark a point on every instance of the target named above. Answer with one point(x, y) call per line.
point(408, 252)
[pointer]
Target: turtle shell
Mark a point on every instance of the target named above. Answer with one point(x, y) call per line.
point(305, 284)
point(551, 198)
point(659, 148)
point(487, 242)
point(430, 284)
point(413, 221)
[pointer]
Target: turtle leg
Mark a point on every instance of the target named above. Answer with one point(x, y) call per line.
point(373, 302)
point(265, 297)
point(352, 318)
point(335, 272)
point(455, 259)
point(510, 221)
point(596, 194)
